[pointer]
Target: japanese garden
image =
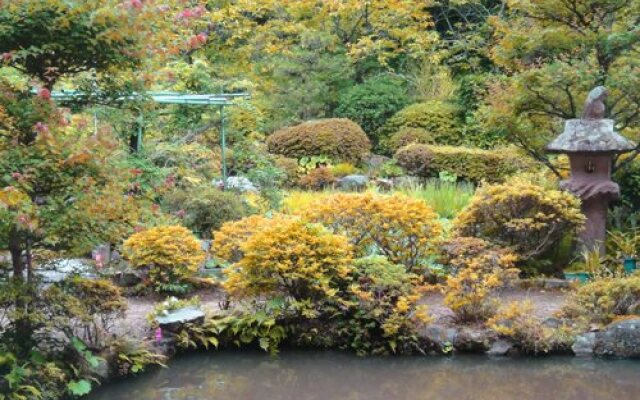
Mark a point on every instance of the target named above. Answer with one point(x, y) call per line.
point(304, 199)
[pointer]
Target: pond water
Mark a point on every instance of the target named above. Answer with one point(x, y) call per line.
point(298, 375)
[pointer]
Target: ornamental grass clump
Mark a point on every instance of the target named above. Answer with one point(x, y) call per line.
point(479, 271)
point(169, 255)
point(399, 227)
point(520, 215)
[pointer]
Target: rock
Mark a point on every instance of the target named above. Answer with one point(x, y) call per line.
point(205, 245)
point(126, 278)
point(583, 345)
point(58, 270)
point(385, 185)
point(556, 284)
point(115, 256)
point(619, 339)
point(175, 319)
point(441, 338)
point(353, 182)
point(501, 348)
point(472, 340)
point(552, 322)
point(238, 183)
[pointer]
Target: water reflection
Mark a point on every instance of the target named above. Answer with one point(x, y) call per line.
point(336, 376)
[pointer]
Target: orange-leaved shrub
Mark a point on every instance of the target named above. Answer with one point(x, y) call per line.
point(168, 254)
point(521, 215)
point(396, 226)
point(337, 138)
point(478, 271)
point(317, 179)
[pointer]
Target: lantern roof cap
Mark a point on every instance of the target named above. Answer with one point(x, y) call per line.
point(590, 136)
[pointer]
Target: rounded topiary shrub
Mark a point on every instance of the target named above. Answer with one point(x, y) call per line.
point(470, 164)
point(406, 136)
point(520, 215)
point(415, 159)
point(436, 117)
point(204, 209)
point(167, 254)
point(340, 139)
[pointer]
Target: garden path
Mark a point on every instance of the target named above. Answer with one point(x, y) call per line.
point(545, 302)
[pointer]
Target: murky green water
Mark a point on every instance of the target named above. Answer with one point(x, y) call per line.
point(337, 376)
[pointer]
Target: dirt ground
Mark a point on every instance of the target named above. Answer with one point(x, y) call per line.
point(545, 302)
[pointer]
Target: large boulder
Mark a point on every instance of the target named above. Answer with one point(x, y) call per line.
point(174, 320)
point(619, 339)
point(353, 183)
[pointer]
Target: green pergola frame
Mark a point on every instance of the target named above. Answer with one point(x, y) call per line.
point(210, 99)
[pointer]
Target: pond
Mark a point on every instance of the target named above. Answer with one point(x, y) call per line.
point(299, 375)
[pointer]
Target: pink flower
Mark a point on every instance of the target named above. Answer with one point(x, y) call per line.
point(158, 335)
point(44, 93)
point(41, 127)
point(7, 57)
point(16, 175)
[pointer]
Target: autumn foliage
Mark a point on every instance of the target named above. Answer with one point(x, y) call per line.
point(399, 227)
point(169, 255)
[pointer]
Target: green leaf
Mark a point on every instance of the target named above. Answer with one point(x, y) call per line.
point(264, 344)
point(79, 388)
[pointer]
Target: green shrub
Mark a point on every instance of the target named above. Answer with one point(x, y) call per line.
point(339, 139)
point(371, 103)
point(343, 169)
point(290, 170)
point(604, 300)
point(520, 215)
point(436, 117)
point(474, 165)
point(204, 209)
point(406, 136)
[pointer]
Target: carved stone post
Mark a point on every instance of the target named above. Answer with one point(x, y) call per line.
point(591, 142)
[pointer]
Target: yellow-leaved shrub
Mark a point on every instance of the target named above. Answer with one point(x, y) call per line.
point(168, 254)
point(518, 322)
point(291, 258)
point(521, 215)
point(227, 241)
point(479, 271)
point(398, 227)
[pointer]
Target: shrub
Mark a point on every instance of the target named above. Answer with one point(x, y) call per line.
point(339, 139)
point(399, 227)
point(289, 168)
point(168, 254)
point(204, 209)
point(290, 258)
point(521, 215)
point(343, 169)
point(93, 307)
point(317, 179)
point(406, 136)
point(371, 103)
point(471, 164)
point(436, 117)
point(227, 241)
point(603, 300)
point(415, 159)
point(518, 323)
point(479, 270)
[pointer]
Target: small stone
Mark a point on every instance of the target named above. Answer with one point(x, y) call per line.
point(176, 318)
point(500, 348)
point(583, 346)
point(556, 284)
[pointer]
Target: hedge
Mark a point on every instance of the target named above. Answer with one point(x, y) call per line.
point(338, 138)
point(470, 164)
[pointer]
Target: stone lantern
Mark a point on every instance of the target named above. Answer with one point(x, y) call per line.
point(591, 143)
